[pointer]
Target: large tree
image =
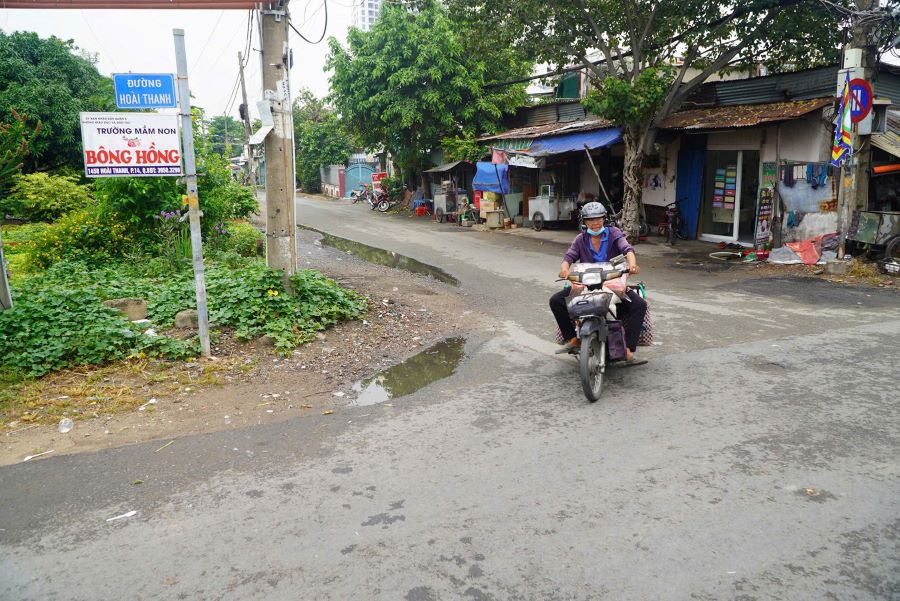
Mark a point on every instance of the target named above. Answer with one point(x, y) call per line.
point(50, 82)
point(655, 53)
point(319, 139)
point(417, 78)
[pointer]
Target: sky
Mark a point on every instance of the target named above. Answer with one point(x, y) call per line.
point(141, 41)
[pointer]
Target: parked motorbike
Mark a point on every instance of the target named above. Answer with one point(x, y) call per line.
point(382, 201)
point(601, 335)
point(359, 194)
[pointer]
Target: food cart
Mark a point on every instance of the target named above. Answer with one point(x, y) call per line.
point(551, 206)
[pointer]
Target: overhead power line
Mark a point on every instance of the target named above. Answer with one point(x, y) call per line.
point(324, 28)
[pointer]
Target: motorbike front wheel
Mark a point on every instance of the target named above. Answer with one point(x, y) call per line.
point(383, 206)
point(592, 361)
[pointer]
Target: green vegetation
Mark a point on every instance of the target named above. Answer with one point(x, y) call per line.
point(43, 197)
point(59, 320)
point(419, 77)
point(50, 82)
point(320, 139)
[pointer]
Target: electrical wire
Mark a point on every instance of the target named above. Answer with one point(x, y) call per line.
point(97, 38)
point(324, 28)
point(208, 39)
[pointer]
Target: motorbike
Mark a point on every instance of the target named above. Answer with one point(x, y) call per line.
point(359, 194)
point(601, 335)
point(382, 201)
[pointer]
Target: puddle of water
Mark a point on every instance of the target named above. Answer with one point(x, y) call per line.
point(379, 256)
point(435, 363)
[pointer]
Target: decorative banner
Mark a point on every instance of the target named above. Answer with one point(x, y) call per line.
point(130, 145)
point(842, 148)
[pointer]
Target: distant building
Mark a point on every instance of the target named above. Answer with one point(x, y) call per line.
point(365, 12)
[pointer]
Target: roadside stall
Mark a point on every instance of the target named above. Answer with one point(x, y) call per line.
point(551, 207)
point(492, 178)
point(449, 184)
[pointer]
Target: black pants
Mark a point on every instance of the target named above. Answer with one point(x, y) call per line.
point(630, 311)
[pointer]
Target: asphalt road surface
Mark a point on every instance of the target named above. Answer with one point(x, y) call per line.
point(754, 457)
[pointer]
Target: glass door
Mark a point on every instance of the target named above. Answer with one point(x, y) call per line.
point(720, 195)
point(729, 195)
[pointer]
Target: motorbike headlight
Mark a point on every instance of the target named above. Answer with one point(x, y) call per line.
point(592, 279)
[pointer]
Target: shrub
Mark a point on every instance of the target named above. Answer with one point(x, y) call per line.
point(83, 235)
point(228, 200)
point(139, 200)
point(239, 237)
point(42, 197)
point(394, 187)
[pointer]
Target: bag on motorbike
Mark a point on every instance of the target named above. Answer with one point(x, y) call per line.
point(615, 340)
point(646, 336)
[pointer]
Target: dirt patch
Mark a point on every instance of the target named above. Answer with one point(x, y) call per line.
point(246, 384)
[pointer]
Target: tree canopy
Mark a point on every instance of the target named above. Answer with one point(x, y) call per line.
point(47, 81)
point(654, 54)
point(417, 78)
point(319, 139)
point(221, 129)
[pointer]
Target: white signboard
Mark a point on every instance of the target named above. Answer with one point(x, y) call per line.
point(130, 144)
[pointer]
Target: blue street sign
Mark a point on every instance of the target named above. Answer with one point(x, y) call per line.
point(144, 90)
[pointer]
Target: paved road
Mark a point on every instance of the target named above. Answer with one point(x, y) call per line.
point(755, 458)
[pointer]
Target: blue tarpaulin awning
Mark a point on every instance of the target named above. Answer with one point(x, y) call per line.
point(491, 178)
point(600, 138)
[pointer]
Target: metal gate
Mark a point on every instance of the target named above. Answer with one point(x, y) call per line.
point(357, 175)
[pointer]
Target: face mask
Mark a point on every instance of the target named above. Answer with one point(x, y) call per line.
point(597, 232)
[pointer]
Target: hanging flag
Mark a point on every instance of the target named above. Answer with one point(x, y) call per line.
point(843, 140)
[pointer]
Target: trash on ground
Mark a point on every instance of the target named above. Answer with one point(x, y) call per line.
point(328, 412)
point(147, 404)
point(124, 515)
point(30, 457)
point(65, 425)
point(164, 446)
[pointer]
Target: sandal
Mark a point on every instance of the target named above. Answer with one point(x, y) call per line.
point(629, 362)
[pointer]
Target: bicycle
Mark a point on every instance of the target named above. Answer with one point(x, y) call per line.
point(673, 227)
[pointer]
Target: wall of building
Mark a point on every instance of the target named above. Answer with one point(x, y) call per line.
point(806, 140)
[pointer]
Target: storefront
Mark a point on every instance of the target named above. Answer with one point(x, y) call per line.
point(727, 165)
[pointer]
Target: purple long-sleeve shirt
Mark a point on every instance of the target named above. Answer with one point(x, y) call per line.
point(581, 246)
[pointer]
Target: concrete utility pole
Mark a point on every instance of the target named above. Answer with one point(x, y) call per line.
point(281, 228)
point(251, 164)
point(853, 195)
point(190, 177)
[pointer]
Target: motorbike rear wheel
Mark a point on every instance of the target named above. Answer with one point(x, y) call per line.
point(592, 364)
point(383, 206)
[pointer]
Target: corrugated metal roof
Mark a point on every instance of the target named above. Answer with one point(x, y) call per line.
point(808, 84)
point(571, 112)
point(575, 142)
point(747, 115)
point(890, 141)
point(550, 129)
point(444, 167)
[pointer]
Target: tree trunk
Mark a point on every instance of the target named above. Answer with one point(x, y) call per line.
point(632, 175)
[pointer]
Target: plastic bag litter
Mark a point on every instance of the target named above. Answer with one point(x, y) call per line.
point(784, 256)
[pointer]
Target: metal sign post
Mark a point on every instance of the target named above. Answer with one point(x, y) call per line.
point(5, 294)
point(190, 168)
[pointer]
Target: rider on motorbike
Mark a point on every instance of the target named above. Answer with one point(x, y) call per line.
point(596, 244)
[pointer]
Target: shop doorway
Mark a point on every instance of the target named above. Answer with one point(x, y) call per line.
point(731, 185)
